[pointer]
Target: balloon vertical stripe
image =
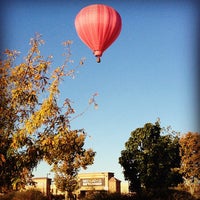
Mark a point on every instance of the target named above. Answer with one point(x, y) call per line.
point(98, 26)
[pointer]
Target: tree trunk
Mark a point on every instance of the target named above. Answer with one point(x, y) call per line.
point(69, 196)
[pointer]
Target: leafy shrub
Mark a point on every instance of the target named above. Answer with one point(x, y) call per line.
point(24, 195)
point(7, 196)
point(58, 197)
point(156, 195)
point(109, 196)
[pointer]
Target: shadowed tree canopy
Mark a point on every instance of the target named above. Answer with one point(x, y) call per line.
point(33, 125)
point(150, 158)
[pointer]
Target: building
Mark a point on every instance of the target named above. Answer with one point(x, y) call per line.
point(96, 182)
point(88, 182)
point(43, 184)
point(125, 187)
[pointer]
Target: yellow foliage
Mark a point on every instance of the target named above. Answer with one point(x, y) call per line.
point(35, 127)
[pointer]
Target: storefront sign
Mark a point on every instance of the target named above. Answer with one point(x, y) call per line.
point(93, 182)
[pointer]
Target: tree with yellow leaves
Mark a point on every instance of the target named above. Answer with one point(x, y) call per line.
point(33, 127)
point(190, 159)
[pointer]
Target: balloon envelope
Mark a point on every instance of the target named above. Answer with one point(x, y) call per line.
point(98, 26)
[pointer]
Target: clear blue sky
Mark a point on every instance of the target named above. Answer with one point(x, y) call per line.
point(149, 72)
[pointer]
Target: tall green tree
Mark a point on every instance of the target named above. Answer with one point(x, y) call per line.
point(150, 158)
point(34, 126)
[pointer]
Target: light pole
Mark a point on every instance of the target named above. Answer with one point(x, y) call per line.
point(48, 174)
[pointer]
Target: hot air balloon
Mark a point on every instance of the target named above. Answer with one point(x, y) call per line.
point(98, 26)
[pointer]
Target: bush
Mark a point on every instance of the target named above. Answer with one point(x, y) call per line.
point(24, 195)
point(58, 197)
point(156, 195)
point(109, 196)
point(7, 196)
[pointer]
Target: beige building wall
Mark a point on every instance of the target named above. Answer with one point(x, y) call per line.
point(101, 181)
point(114, 185)
point(95, 182)
point(124, 187)
point(43, 184)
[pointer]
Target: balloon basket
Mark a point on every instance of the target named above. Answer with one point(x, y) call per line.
point(98, 59)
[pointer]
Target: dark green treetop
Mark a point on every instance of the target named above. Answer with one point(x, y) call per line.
point(150, 158)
